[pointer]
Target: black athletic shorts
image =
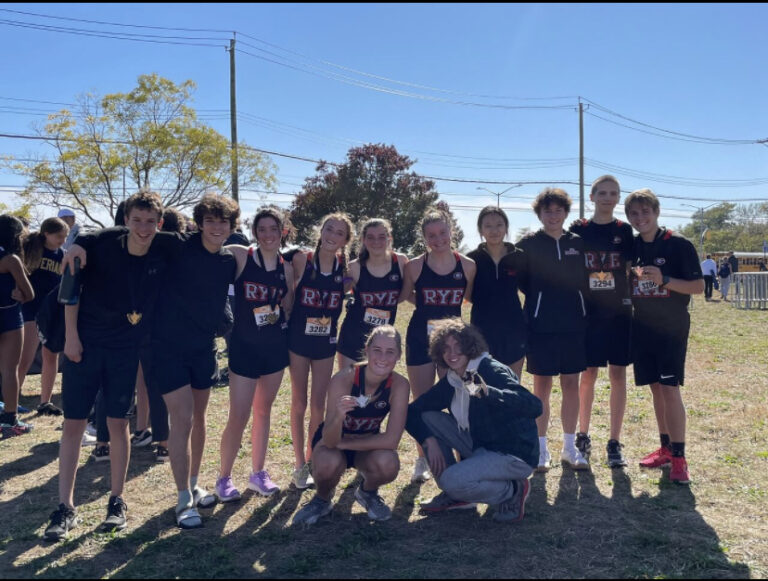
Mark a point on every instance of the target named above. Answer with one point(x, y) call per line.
point(112, 370)
point(609, 341)
point(417, 343)
point(659, 356)
point(505, 344)
point(348, 454)
point(253, 361)
point(170, 369)
point(352, 338)
point(555, 353)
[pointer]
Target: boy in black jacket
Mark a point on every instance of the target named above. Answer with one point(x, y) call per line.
point(554, 281)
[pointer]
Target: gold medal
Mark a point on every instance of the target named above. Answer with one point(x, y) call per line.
point(134, 318)
point(272, 318)
point(324, 321)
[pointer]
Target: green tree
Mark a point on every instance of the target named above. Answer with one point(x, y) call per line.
point(375, 181)
point(149, 137)
point(729, 227)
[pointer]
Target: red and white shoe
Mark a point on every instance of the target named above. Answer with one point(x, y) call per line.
point(657, 458)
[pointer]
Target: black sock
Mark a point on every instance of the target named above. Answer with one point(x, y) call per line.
point(8, 418)
point(678, 449)
point(665, 441)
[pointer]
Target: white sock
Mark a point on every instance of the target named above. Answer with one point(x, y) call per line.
point(185, 499)
point(569, 441)
point(192, 482)
point(543, 444)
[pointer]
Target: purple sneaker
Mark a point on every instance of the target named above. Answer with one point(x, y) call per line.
point(262, 484)
point(225, 490)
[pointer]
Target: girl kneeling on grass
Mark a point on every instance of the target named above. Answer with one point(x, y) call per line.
point(359, 398)
point(14, 290)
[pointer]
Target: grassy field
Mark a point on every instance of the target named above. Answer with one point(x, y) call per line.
point(600, 523)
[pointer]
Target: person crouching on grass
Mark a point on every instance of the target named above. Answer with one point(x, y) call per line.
point(490, 423)
point(359, 398)
point(666, 273)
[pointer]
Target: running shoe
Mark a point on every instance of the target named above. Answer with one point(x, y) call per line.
point(421, 471)
point(262, 484)
point(88, 440)
point(115, 520)
point(545, 461)
point(311, 512)
point(657, 458)
point(201, 498)
point(225, 491)
point(63, 519)
point(572, 458)
point(141, 438)
point(302, 477)
point(615, 455)
point(16, 429)
point(443, 502)
point(161, 454)
point(101, 453)
point(48, 409)
point(584, 444)
point(513, 509)
point(373, 503)
point(679, 470)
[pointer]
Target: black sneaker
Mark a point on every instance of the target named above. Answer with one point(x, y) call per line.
point(161, 454)
point(63, 519)
point(141, 438)
point(48, 409)
point(101, 453)
point(115, 520)
point(584, 444)
point(615, 457)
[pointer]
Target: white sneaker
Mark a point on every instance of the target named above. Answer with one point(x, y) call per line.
point(545, 461)
point(88, 440)
point(572, 457)
point(421, 471)
point(90, 429)
point(302, 477)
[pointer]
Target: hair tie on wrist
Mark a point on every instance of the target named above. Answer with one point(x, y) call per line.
point(348, 279)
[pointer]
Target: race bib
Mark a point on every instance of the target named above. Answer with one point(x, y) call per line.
point(601, 281)
point(266, 316)
point(376, 317)
point(646, 285)
point(318, 327)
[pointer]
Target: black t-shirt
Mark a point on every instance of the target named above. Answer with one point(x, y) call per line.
point(116, 285)
point(607, 249)
point(194, 294)
point(676, 256)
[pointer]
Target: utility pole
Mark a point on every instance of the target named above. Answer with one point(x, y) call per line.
point(581, 159)
point(233, 119)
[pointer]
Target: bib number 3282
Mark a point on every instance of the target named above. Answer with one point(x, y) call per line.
point(318, 327)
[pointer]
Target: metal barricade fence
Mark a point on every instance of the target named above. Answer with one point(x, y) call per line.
point(750, 290)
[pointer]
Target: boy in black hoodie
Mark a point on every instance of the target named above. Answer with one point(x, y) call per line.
point(554, 281)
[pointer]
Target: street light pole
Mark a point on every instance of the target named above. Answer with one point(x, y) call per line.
point(704, 227)
point(499, 194)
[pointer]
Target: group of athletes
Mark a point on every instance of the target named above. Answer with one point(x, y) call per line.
point(151, 303)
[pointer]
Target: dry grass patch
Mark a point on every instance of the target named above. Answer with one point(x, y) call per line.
point(601, 523)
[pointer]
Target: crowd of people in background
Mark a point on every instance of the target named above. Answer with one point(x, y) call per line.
point(157, 290)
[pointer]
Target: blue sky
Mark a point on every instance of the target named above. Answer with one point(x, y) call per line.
point(477, 93)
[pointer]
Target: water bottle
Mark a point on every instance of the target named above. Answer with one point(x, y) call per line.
point(69, 290)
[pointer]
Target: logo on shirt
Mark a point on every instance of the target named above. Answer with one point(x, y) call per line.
point(617, 239)
point(571, 252)
point(337, 278)
point(442, 297)
point(659, 261)
point(394, 277)
point(458, 275)
point(380, 298)
point(380, 405)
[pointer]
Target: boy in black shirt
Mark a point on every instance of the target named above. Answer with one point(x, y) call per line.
point(103, 334)
point(608, 244)
point(666, 273)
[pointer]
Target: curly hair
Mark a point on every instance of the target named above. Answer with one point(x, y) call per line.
point(222, 207)
point(471, 341)
point(548, 196)
point(173, 221)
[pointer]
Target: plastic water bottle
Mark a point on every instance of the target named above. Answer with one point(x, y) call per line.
point(69, 290)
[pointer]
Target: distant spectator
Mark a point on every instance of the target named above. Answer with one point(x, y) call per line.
point(709, 270)
point(74, 229)
point(761, 266)
point(725, 279)
point(173, 221)
point(734, 262)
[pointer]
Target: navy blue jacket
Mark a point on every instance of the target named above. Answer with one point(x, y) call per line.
point(502, 421)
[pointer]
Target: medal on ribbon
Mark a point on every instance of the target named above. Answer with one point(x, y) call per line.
point(134, 318)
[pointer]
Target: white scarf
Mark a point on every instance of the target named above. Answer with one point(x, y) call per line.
point(460, 401)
